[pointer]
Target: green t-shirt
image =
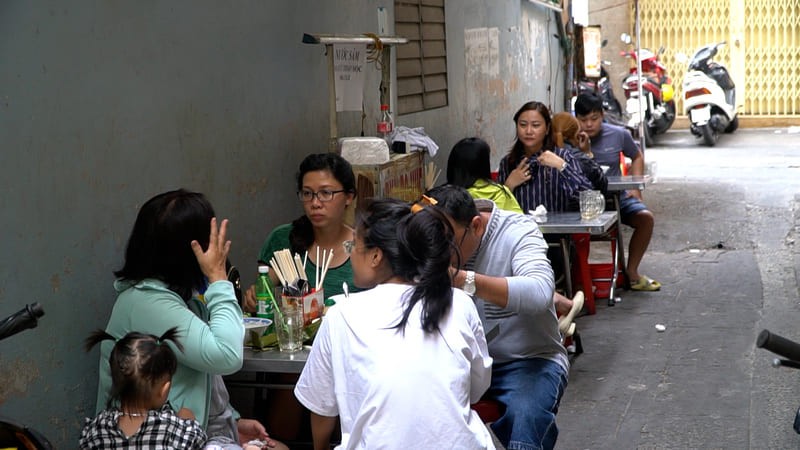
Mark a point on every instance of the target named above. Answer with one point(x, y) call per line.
point(279, 240)
point(496, 192)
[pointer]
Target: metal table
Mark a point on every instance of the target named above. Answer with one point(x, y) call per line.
point(571, 223)
point(269, 361)
point(623, 183)
point(570, 226)
point(274, 361)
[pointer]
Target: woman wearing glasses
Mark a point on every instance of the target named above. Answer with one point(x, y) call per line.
point(326, 186)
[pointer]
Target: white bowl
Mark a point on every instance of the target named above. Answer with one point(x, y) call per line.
point(257, 324)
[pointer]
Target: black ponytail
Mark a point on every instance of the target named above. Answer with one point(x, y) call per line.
point(418, 247)
point(137, 361)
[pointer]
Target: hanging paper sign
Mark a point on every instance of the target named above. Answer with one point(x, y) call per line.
point(592, 47)
point(349, 61)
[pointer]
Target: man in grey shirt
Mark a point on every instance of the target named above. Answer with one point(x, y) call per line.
point(512, 284)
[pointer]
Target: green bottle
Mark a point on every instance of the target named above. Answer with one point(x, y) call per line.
point(264, 296)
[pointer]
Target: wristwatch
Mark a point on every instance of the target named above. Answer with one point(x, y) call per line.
point(469, 283)
point(563, 166)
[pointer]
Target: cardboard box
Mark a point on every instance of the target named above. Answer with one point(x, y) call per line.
point(403, 178)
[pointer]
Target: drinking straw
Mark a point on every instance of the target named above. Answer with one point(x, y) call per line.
point(316, 270)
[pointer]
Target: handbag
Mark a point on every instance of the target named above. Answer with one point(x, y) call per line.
point(236, 279)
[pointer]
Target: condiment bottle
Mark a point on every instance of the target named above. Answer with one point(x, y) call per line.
point(386, 125)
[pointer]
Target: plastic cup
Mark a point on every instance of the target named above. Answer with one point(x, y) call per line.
point(289, 324)
point(592, 204)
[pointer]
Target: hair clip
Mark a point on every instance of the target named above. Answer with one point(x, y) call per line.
point(422, 203)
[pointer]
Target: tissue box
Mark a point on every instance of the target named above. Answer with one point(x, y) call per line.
point(364, 150)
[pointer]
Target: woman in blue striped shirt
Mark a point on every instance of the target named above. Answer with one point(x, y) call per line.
point(536, 171)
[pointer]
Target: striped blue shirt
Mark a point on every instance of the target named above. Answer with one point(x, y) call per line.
point(548, 186)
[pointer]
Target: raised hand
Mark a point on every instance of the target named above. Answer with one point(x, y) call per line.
point(521, 174)
point(212, 261)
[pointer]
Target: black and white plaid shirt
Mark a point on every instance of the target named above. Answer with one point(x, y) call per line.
point(162, 429)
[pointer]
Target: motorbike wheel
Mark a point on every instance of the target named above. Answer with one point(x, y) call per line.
point(710, 135)
point(733, 125)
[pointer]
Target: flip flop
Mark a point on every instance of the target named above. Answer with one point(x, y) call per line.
point(565, 320)
point(646, 283)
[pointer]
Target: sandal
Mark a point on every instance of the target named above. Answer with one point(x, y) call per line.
point(646, 283)
point(565, 320)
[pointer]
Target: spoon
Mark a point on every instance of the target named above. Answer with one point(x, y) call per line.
point(346, 289)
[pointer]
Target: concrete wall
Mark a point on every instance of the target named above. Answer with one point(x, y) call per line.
point(614, 17)
point(105, 104)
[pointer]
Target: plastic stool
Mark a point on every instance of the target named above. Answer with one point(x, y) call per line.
point(488, 410)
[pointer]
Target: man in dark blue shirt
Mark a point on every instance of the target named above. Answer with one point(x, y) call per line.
point(607, 142)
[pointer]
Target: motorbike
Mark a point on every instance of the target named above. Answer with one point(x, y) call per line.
point(789, 350)
point(709, 96)
point(13, 434)
point(612, 110)
point(657, 106)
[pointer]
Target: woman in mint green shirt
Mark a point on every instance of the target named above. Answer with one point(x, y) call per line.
point(177, 250)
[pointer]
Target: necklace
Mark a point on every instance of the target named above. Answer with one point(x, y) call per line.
point(130, 414)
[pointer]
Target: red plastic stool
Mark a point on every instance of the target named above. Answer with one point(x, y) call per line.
point(488, 410)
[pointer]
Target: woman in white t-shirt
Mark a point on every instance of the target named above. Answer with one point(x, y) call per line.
point(399, 363)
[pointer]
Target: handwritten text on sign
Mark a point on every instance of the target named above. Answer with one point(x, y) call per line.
point(348, 69)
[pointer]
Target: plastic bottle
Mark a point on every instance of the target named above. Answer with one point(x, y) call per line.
point(386, 125)
point(264, 294)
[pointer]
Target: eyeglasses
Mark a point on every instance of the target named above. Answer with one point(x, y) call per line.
point(324, 195)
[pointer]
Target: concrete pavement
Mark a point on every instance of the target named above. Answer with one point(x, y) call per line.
point(724, 251)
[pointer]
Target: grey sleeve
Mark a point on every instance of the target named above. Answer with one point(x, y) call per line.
point(531, 287)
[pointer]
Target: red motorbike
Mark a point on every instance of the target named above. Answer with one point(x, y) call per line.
point(656, 108)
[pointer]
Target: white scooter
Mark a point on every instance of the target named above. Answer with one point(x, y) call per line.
point(709, 96)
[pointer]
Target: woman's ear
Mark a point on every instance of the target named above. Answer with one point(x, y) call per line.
point(377, 257)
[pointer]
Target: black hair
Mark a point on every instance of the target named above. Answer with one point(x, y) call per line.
point(517, 151)
point(469, 163)
point(160, 242)
point(302, 235)
point(455, 202)
point(587, 103)
point(138, 362)
point(418, 247)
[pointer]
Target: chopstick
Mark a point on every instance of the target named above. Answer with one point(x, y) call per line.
point(327, 264)
point(301, 268)
point(289, 268)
